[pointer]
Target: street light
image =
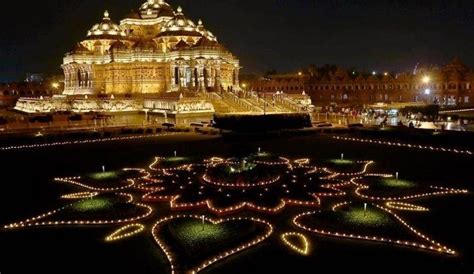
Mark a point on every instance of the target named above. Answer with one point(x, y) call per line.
point(426, 81)
point(300, 73)
point(55, 86)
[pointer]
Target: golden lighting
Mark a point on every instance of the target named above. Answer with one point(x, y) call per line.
point(79, 195)
point(125, 232)
point(304, 249)
point(79, 142)
point(407, 145)
point(426, 79)
point(38, 220)
point(223, 255)
point(424, 243)
point(176, 205)
point(405, 206)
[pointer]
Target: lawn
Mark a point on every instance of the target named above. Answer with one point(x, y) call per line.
point(27, 190)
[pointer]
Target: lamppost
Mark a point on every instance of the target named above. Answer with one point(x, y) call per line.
point(55, 86)
point(426, 89)
point(244, 89)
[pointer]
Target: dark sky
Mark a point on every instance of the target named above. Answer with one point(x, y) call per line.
point(378, 35)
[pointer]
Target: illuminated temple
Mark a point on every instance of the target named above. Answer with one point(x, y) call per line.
point(154, 51)
point(154, 59)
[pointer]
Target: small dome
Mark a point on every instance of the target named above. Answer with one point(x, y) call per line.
point(106, 29)
point(202, 30)
point(156, 8)
point(179, 25)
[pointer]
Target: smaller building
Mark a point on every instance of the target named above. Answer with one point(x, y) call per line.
point(450, 85)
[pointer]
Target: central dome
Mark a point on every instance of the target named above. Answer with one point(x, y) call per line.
point(156, 8)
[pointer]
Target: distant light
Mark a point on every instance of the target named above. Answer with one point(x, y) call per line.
point(427, 91)
point(353, 72)
point(426, 79)
point(386, 73)
point(374, 73)
point(55, 85)
point(300, 73)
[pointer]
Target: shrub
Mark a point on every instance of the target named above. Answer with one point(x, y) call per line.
point(262, 123)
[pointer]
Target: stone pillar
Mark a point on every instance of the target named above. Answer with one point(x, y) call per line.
point(211, 76)
point(74, 80)
point(182, 76)
point(193, 77)
point(201, 83)
point(83, 79)
point(89, 79)
point(217, 81)
point(206, 76)
point(174, 85)
point(67, 79)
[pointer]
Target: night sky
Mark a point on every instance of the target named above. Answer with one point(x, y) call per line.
point(382, 35)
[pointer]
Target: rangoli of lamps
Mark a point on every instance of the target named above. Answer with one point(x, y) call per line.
point(301, 247)
point(222, 255)
point(294, 183)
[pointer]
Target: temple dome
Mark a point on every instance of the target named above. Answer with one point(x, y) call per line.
point(179, 25)
point(156, 8)
point(204, 32)
point(106, 29)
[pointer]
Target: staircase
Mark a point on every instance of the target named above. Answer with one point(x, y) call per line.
point(228, 102)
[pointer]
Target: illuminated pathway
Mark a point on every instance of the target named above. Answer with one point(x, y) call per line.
point(406, 145)
point(85, 141)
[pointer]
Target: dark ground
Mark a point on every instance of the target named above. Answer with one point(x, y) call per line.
point(27, 189)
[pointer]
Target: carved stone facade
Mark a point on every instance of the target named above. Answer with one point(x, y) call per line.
point(153, 51)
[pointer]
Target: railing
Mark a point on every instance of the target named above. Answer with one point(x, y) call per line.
point(239, 101)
